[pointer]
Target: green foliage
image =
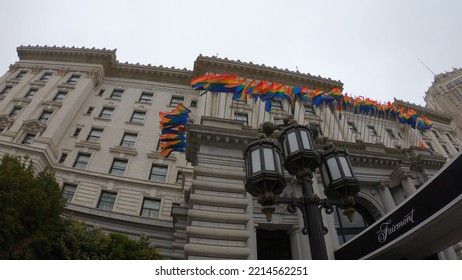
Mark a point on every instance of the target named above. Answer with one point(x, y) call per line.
point(31, 226)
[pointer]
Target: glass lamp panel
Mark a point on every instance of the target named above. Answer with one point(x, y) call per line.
point(255, 159)
point(293, 144)
point(305, 141)
point(324, 174)
point(334, 168)
point(345, 167)
point(269, 159)
point(278, 163)
point(284, 146)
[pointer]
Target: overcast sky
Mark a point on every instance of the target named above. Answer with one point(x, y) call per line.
point(371, 46)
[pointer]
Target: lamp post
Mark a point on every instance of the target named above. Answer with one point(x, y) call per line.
point(265, 178)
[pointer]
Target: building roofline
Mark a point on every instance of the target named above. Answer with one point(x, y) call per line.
point(429, 113)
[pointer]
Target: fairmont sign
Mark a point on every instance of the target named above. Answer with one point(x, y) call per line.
point(416, 218)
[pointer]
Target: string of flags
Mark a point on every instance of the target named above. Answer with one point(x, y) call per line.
point(173, 130)
point(267, 91)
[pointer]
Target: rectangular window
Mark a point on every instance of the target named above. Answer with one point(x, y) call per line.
point(390, 133)
point(117, 94)
point(15, 111)
point(106, 113)
point(193, 103)
point(138, 117)
point(146, 97)
point(68, 192)
point(176, 100)
point(89, 110)
point(6, 89)
point(449, 136)
point(179, 177)
point(118, 167)
point(309, 109)
point(352, 127)
point(445, 149)
point(62, 158)
point(158, 173)
point(46, 76)
point(82, 161)
point(21, 74)
point(371, 130)
point(59, 97)
point(150, 208)
point(276, 104)
point(128, 140)
point(73, 79)
point(107, 201)
point(77, 131)
point(436, 134)
point(243, 117)
point(45, 116)
point(101, 92)
point(29, 139)
point(95, 135)
point(31, 93)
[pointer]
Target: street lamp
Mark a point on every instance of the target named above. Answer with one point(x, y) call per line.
point(265, 178)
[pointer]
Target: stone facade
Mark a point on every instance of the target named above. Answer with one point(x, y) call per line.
point(81, 107)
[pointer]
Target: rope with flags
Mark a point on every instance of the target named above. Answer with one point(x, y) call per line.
point(267, 91)
point(173, 130)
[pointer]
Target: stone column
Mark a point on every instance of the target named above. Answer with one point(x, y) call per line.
point(408, 186)
point(387, 199)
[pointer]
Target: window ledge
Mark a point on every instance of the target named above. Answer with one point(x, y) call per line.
point(88, 144)
point(123, 150)
point(156, 155)
point(135, 123)
point(101, 119)
point(66, 86)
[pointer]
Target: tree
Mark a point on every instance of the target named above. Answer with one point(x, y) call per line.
point(31, 226)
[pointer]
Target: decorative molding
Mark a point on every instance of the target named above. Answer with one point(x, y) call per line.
point(123, 151)
point(89, 145)
point(96, 76)
point(36, 69)
point(6, 121)
point(14, 67)
point(156, 155)
point(33, 126)
point(62, 71)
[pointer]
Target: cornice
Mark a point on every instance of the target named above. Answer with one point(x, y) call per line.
point(429, 113)
point(205, 64)
point(108, 60)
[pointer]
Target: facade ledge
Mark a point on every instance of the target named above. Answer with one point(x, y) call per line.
point(6, 121)
point(88, 145)
point(38, 83)
point(123, 151)
point(157, 155)
point(54, 104)
point(33, 126)
point(66, 86)
point(21, 100)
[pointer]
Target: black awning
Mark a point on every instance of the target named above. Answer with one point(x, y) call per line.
point(426, 223)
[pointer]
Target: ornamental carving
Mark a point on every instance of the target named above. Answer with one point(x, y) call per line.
point(62, 71)
point(36, 69)
point(33, 126)
point(14, 67)
point(6, 121)
point(95, 75)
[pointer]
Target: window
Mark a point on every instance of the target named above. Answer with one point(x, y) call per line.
point(445, 149)
point(106, 113)
point(6, 89)
point(89, 110)
point(179, 177)
point(176, 100)
point(31, 93)
point(77, 131)
point(146, 97)
point(29, 139)
point(352, 127)
point(371, 130)
point(243, 117)
point(95, 135)
point(68, 192)
point(158, 173)
point(193, 103)
point(138, 117)
point(276, 104)
point(118, 167)
point(436, 134)
point(346, 230)
point(21, 74)
point(81, 161)
point(46, 76)
point(117, 94)
point(62, 158)
point(429, 145)
point(150, 208)
point(309, 109)
point(128, 140)
point(73, 79)
point(449, 136)
point(101, 92)
point(15, 111)
point(59, 97)
point(45, 116)
point(106, 201)
point(390, 133)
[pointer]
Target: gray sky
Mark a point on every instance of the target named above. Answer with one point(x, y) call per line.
point(371, 46)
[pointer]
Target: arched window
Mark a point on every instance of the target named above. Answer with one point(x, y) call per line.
point(346, 230)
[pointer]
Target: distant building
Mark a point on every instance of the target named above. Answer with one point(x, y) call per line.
point(95, 122)
point(445, 95)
